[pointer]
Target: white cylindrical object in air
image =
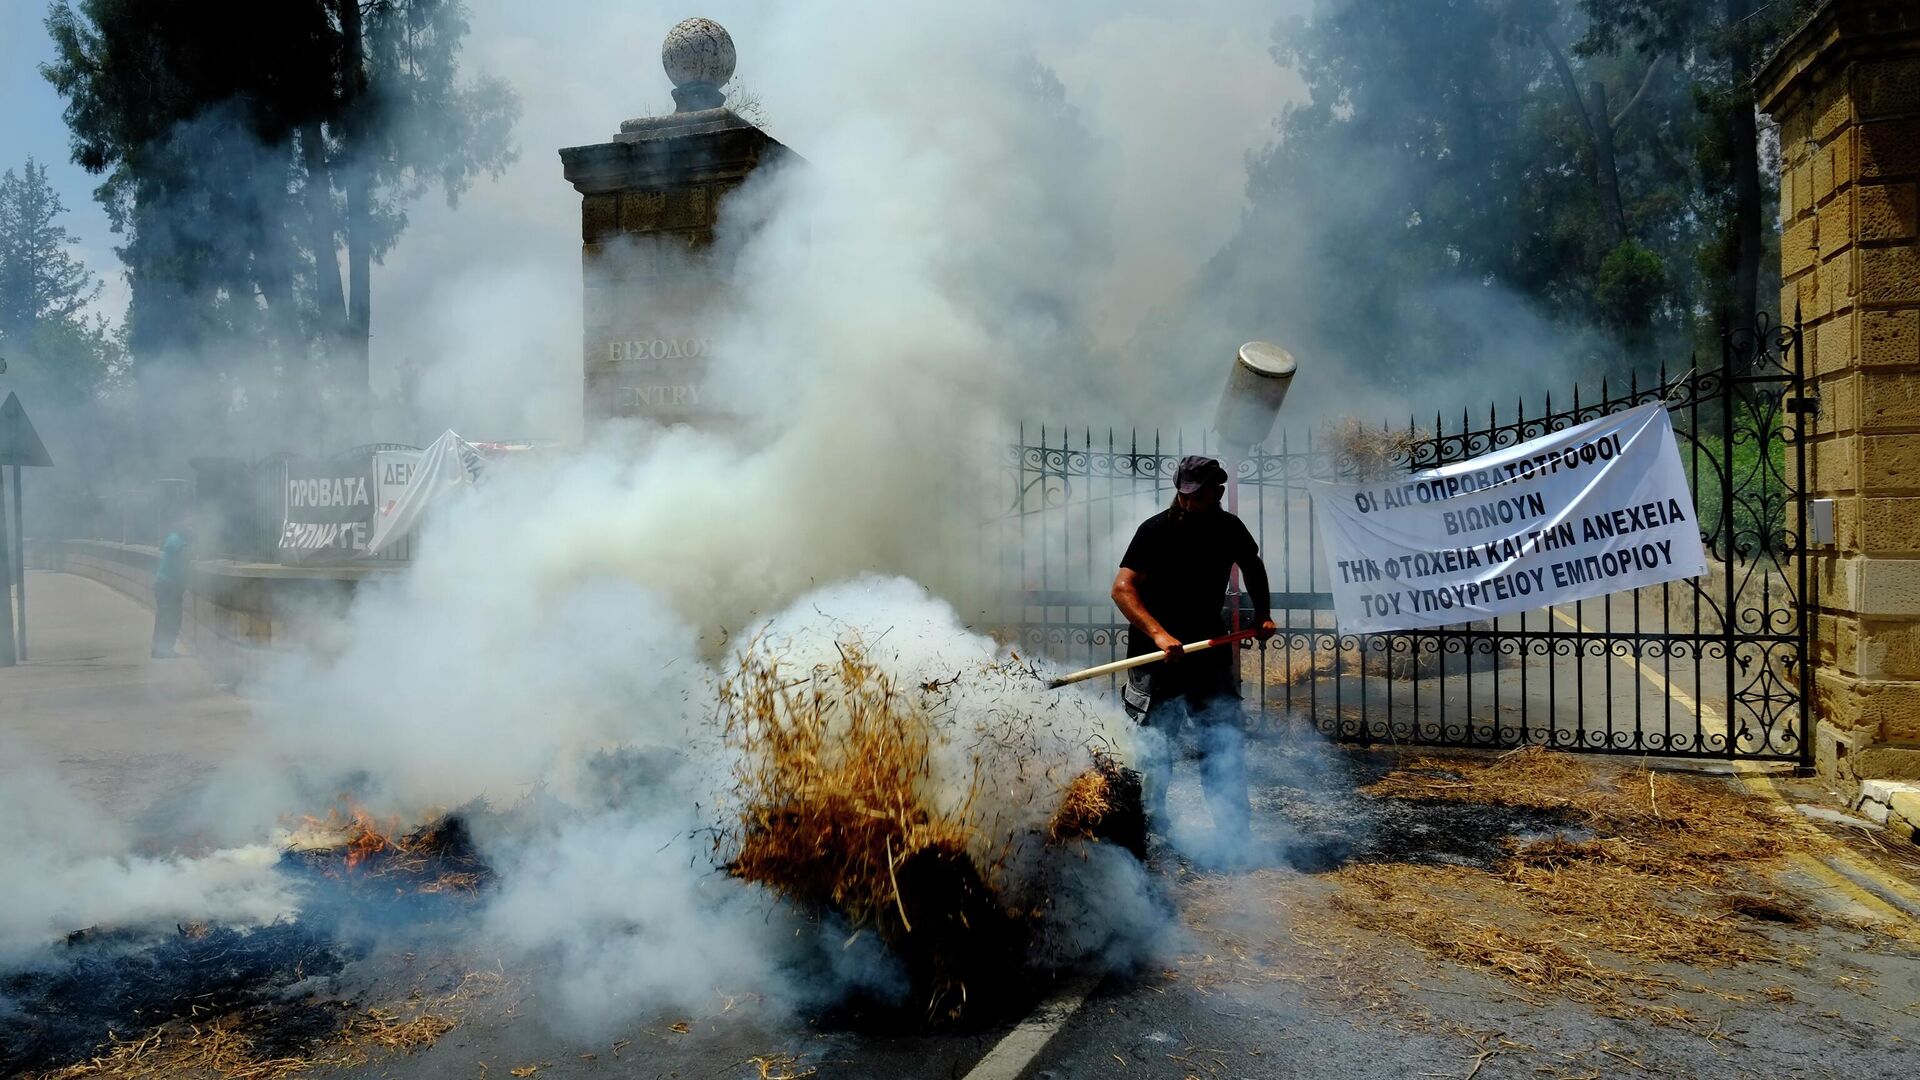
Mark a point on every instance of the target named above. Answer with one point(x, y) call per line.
point(1262, 371)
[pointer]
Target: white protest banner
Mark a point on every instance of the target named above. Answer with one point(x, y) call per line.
point(1580, 513)
point(392, 471)
point(450, 462)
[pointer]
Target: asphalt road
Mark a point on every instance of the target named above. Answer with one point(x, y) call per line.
point(1244, 985)
point(1246, 988)
point(123, 731)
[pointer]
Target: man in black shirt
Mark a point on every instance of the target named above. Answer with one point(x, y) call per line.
point(1172, 588)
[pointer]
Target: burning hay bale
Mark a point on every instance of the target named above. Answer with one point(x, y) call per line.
point(1103, 803)
point(831, 786)
point(902, 809)
point(1088, 801)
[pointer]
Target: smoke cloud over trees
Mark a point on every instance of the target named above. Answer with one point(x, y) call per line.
point(248, 151)
point(1513, 186)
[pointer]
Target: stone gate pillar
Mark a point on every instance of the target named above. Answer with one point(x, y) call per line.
point(649, 202)
point(1845, 90)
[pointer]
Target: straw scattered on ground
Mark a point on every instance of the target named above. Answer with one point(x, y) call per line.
point(1648, 821)
point(353, 845)
point(1293, 937)
point(1676, 873)
point(227, 1047)
point(781, 1067)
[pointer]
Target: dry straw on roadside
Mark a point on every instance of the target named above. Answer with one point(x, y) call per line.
point(1675, 874)
point(1667, 878)
point(225, 1046)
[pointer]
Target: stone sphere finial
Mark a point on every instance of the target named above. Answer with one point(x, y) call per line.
point(698, 55)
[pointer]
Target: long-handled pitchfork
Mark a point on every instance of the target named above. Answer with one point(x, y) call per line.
point(1148, 658)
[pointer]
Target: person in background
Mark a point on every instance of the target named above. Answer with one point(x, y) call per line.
point(1172, 588)
point(169, 591)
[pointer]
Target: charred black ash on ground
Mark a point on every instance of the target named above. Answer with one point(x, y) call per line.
point(1311, 789)
point(283, 979)
point(1314, 815)
point(71, 1000)
point(61, 1008)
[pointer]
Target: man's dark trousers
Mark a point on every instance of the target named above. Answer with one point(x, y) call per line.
point(1198, 692)
point(167, 597)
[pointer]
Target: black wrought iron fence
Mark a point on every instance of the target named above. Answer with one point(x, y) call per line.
point(1714, 667)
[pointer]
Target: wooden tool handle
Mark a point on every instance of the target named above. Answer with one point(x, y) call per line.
point(1148, 658)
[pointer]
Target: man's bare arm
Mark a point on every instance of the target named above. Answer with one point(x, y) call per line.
point(1255, 571)
point(1126, 597)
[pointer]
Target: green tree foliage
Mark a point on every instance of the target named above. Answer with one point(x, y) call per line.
point(1628, 289)
point(1718, 45)
point(45, 333)
point(249, 149)
point(1463, 170)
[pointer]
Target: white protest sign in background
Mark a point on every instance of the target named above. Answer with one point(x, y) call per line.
point(448, 463)
point(1580, 513)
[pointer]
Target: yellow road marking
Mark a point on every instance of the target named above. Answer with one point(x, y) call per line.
point(1707, 718)
point(1833, 851)
point(1839, 883)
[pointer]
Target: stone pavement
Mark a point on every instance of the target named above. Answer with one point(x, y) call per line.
point(120, 729)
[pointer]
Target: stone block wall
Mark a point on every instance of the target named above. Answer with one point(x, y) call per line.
point(1845, 90)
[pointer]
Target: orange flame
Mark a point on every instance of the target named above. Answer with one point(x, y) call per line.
point(365, 835)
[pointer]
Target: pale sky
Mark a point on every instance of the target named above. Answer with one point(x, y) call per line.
point(33, 128)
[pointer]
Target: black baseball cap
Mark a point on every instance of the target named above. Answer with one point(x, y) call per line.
point(1197, 473)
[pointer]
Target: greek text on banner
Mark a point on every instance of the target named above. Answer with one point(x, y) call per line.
point(1580, 513)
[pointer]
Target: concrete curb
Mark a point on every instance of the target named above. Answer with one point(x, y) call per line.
point(1892, 898)
point(1891, 803)
point(1903, 813)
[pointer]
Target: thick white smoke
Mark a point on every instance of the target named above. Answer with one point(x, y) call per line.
point(992, 194)
point(68, 867)
point(1056, 173)
point(625, 899)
